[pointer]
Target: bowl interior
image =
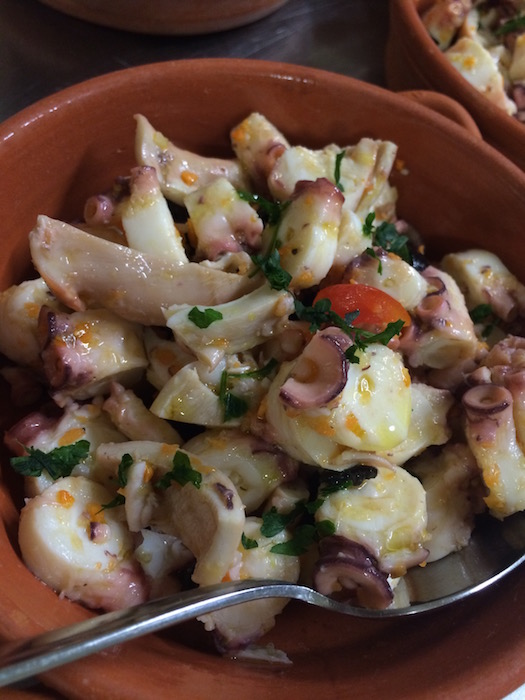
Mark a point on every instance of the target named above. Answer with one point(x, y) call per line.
point(72, 145)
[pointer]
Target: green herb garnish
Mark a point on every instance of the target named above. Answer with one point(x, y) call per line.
point(363, 338)
point(337, 172)
point(270, 265)
point(269, 262)
point(371, 252)
point(270, 212)
point(321, 314)
point(303, 538)
point(307, 531)
point(205, 317)
point(386, 236)
point(260, 373)
point(300, 542)
point(274, 522)
point(325, 528)
point(248, 542)
point(123, 469)
point(58, 463)
point(233, 406)
point(369, 226)
point(182, 472)
point(332, 481)
point(119, 500)
point(515, 24)
point(122, 475)
point(483, 313)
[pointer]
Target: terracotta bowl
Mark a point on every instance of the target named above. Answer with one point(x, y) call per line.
point(168, 16)
point(413, 60)
point(68, 146)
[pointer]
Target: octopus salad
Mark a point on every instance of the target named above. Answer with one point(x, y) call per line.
point(485, 41)
point(248, 368)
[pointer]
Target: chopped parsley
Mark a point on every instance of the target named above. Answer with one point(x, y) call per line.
point(300, 542)
point(119, 500)
point(483, 314)
point(269, 262)
point(270, 212)
point(122, 476)
point(57, 463)
point(260, 373)
point(274, 522)
point(386, 236)
point(205, 317)
point(325, 528)
point(363, 338)
point(516, 24)
point(182, 472)
point(123, 469)
point(332, 481)
point(248, 542)
point(270, 265)
point(235, 406)
point(337, 171)
point(371, 252)
point(303, 537)
point(321, 313)
point(304, 530)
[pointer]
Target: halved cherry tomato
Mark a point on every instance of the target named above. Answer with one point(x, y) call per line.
point(376, 308)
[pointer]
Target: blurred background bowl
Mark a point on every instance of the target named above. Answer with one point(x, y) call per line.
point(168, 16)
point(71, 145)
point(413, 60)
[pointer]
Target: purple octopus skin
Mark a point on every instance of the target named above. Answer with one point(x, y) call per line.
point(83, 352)
point(505, 357)
point(235, 230)
point(99, 210)
point(260, 157)
point(288, 466)
point(26, 430)
point(226, 494)
point(102, 209)
point(348, 569)
point(487, 406)
point(320, 373)
point(435, 306)
point(63, 364)
point(329, 198)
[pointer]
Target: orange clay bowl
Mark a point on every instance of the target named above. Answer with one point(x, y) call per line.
point(455, 189)
point(168, 16)
point(414, 61)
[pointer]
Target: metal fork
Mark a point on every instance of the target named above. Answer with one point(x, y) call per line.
point(493, 552)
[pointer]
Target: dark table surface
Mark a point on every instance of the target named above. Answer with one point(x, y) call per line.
point(43, 51)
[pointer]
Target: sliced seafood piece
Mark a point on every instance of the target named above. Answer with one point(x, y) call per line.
point(83, 270)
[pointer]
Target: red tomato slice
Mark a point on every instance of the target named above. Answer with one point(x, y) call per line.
point(376, 308)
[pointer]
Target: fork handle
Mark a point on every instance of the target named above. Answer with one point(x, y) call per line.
point(27, 658)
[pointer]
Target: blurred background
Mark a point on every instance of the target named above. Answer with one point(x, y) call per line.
point(43, 50)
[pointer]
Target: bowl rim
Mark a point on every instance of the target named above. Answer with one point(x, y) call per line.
point(297, 73)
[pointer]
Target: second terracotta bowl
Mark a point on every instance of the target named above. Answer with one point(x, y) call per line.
point(413, 60)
